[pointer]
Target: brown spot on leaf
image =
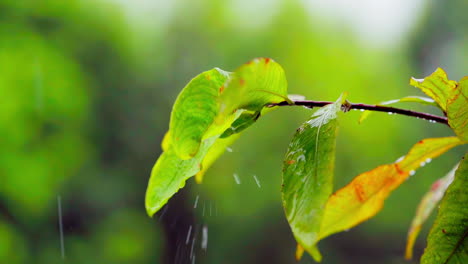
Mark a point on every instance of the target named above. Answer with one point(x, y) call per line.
point(360, 192)
point(443, 231)
point(267, 60)
point(241, 81)
point(221, 89)
point(208, 77)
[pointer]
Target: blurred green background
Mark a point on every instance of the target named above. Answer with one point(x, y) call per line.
point(86, 90)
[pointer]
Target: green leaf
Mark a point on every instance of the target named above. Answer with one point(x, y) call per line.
point(308, 176)
point(409, 99)
point(212, 104)
point(447, 241)
point(425, 208)
point(257, 83)
point(452, 98)
point(457, 109)
point(169, 175)
point(437, 86)
point(194, 112)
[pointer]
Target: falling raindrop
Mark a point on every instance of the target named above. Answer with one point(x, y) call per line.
point(204, 205)
point(236, 178)
point(196, 202)
point(188, 235)
point(163, 212)
point(62, 244)
point(257, 181)
point(193, 244)
point(204, 243)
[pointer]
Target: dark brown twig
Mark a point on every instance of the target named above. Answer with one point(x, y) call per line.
point(378, 108)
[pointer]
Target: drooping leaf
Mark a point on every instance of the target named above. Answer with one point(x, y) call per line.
point(409, 99)
point(255, 84)
point(199, 117)
point(364, 196)
point(218, 148)
point(308, 176)
point(457, 109)
point(447, 241)
point(169, 175)
point(437, 86)
point(425, 208)
point(194, 112)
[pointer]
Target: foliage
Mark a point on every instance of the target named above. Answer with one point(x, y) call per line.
point(216, 105)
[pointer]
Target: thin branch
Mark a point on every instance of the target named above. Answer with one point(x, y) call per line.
point(378, 108)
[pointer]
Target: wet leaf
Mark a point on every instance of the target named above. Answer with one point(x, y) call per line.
point(425, 208)
point(407, 99)
point(437, 86)
point(308, 176)
point(194, 112)
point(457, 109)
point(169, 175)
point(212, 104)
point(364, 196)
point(452, 98)
point(255, 84)
point(447, 241)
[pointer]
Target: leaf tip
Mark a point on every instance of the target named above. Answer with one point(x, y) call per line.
point(299, 252)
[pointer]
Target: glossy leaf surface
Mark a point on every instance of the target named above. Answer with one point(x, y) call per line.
point(457, 109)
point(308, 176)
point(212, 104)
point(447, 241)
point(437, 86)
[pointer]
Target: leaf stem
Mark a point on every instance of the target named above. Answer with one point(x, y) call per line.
point(368, 107)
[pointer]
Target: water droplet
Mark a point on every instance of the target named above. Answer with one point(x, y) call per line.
point(228, 149)
point(362, 110)
point(257, 181)
point(196, 202)
point(204, 243)
point(422, 164)
point(390, 113)
point(236, 178)
point(400, 159)
point(428, 160)
point(188, 235)
point(412, 172)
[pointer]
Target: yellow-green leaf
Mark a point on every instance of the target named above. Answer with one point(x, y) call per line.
point(308, 176)
point(200, 116)
point(457, 109)
point(365, 195)
point(194, 112)
point(254, 85)
point(437, 86)
point(169, 175)
point(447, 241)
point(425, 208)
